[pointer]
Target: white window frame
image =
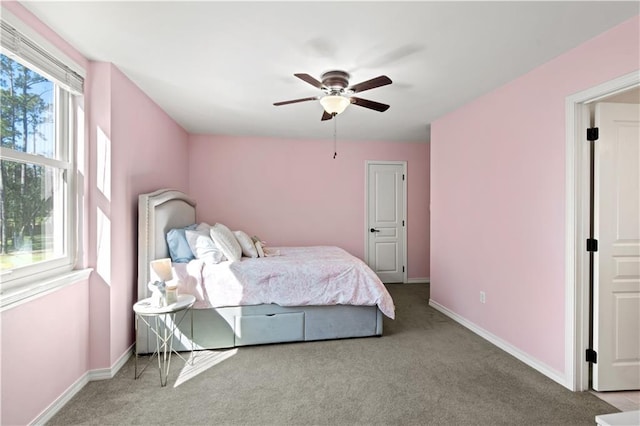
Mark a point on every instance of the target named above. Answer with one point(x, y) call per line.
point(23, 284)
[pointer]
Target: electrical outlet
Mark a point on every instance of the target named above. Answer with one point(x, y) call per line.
point(483, 297)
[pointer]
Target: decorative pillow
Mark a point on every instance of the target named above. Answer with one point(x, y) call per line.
point(259, 248)
point(203, 247)
point(224, 238)
point(179, 249)
point(247, 245)
point(259, 245)
point(203, 227)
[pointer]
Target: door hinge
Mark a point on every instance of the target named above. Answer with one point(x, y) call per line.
point(403, 176)
point(592, 244)
point(403, 269)
point(403, 223)
point(592, 356)
point(592, 134)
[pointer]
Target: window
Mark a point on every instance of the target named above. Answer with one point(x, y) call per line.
point(38, 229)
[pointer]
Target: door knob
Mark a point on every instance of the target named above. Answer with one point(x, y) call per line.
point(374, 230)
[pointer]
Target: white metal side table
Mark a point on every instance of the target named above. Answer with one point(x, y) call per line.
point(163, 322)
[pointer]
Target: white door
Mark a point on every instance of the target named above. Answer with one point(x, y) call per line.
point(385, 220)
point(616, 331)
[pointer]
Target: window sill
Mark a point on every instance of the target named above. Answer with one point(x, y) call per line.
point(13, 297)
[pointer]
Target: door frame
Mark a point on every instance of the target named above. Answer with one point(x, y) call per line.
point(577, 225)
point(404, 212)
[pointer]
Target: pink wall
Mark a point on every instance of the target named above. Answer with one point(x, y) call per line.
point(98, 114)
point(292, 192)
point(45, 342)
point(53, 341)
point(44, 351)
point(147, 151)
point(498, 197)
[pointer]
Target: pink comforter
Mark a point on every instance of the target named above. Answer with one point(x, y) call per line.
point(299, 276)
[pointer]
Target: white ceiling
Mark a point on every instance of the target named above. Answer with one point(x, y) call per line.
point(217, 67)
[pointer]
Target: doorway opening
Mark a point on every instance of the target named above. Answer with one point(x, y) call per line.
point(579, 114)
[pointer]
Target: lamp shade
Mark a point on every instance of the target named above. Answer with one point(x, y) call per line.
point(161, 269)
point(334, 104)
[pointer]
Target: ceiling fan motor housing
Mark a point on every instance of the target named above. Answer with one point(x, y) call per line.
point(335, 80)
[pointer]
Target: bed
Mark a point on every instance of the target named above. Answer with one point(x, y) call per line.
point(251, 315)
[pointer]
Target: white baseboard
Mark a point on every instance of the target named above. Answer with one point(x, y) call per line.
point(418, 281)
point(57, 405)
point(89, 376)
point(108, 373)
point(505, 346)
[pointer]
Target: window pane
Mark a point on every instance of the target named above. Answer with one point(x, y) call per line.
point(28, 109)
point(31, 214)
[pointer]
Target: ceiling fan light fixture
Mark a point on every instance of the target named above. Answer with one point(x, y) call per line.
point(334, 104)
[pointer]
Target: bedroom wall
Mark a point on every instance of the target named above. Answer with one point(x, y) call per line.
point(292, 192)
point(45, 349)
point(498, 198)
point(54, 343)
point(98, 91)
point(150, 151)
point(138, 148)
point(44, 343)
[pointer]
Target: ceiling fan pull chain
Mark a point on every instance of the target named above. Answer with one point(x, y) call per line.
point(335, 126)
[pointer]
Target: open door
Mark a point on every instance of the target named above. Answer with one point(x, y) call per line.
point(616, 328)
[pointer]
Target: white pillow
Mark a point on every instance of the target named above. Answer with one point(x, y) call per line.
point(203, 247)
point(246, 243)
point(224, 238)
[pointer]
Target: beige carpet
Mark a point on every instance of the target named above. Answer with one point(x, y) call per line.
point(426, 369)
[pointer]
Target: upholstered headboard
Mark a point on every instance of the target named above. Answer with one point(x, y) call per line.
point(158, 212)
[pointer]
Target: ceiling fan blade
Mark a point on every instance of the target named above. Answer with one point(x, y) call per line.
point(312, 81)
point(293, 101)
point(369, 104)
point(326, 116)
point(382, 80)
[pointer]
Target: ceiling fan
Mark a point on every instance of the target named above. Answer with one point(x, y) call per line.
point(338, 94)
